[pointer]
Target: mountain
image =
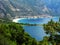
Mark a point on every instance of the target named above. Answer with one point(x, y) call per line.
point(30, 7)
point(16, 8)
point(5, 10)
point(54, 7)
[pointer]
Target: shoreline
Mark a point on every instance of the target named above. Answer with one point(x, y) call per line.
point(17, 19)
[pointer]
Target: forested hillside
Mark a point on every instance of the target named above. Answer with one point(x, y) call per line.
point(14, 34)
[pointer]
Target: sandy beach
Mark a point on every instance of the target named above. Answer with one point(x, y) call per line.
point(16, 20)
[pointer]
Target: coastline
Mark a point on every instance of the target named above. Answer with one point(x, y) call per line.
point(30, 17)
point(17, 19)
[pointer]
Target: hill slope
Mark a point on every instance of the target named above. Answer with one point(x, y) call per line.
point(15, 8)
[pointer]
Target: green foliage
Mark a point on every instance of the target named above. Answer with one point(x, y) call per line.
point(44, 41)
point(53, 28)
point(6, 41)
point(13, 34)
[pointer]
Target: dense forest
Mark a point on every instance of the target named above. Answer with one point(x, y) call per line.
point(14, 34)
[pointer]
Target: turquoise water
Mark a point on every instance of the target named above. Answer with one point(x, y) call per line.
point(37, 20)
point(36, 32)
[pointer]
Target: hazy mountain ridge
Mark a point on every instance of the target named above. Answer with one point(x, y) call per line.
point(15, 8)
point(5, 11)
point(30, 7)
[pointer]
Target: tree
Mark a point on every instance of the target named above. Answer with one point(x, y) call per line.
point(52, 28)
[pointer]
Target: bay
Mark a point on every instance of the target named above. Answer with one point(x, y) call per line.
point(36, 32)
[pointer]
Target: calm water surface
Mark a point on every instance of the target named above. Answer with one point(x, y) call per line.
point(36, 32)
